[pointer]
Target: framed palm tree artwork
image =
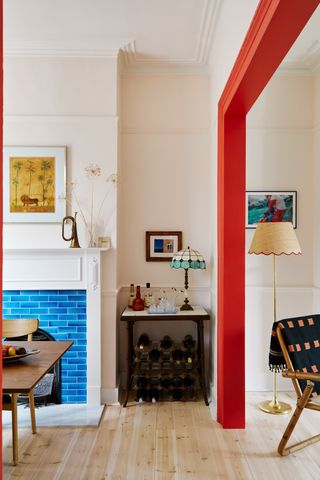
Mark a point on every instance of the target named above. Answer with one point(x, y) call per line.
point(34, 184)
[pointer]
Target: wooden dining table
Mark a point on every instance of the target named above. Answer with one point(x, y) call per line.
point(23, 375)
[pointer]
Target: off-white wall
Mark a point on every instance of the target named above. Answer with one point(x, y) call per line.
point(279, 157)
point(165, 185)
point(316, 154)
point(164, 173)
point(70, 102)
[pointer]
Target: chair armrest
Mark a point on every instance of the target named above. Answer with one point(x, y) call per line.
point(314, 377)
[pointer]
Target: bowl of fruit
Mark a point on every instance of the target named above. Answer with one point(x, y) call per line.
point(12, 353)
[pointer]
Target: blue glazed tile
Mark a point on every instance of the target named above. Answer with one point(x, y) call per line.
point(58, 310)
point(52, 330)
point(70, 367)
point(11, 292)
point(77, 361)
point(20, 298)
point(81, 329)
point(29, 305)
point(77, 298)
point(72, 354)
point(20, 311)
point(48, 317)
point(77, 323)
point(48, 292)
point(11, 317)
point(38, 299)
point(71, 292)
point(48, 304)
point(60, 336)
point(81, 342)
point(77, 310)
point(57, 298)
point(77, 336)
point(82, 378)
point(58, 323)
point(82, 354)
point(43, 324)
point(81, 304)
point(73, 375)
point(6, 298)
point(79, 348)
point(67, 304)
point(11, 304)
point(39, 311)
point(6, 311)
point(82, 317)
point(67, 317)
point(77, 386)
point(77, 398)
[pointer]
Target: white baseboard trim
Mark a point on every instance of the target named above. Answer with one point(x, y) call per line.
point(110, 396)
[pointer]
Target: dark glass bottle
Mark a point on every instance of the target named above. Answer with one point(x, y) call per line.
point(177, 394)
point(154, 395)
point(188, 356)
point(165, 382)
point(143, 341)
point(177, 382)
point(188, 380)
point(142, 382)
point(166, 342)
point(188, 342)
point(138, 303)
point(131, 295)
point(154, 355)
point(142, 395)
point(177, 356)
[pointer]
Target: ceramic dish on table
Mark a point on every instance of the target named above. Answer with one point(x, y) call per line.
point(15, 358)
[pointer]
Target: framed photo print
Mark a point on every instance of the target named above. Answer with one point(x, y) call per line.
point(34, 184)
point(160, 246)
point(271, 206)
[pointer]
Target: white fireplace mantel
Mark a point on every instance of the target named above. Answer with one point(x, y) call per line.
point(64, 269)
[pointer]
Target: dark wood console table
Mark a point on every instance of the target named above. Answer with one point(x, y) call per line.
point(198, 315)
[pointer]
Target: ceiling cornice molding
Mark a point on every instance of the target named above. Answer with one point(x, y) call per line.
point(198, 64)
point(60, 49)
point(305, 65)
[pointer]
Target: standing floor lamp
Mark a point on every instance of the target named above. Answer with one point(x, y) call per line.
point(276, 238)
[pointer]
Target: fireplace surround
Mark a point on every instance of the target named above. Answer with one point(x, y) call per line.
point(68, 270)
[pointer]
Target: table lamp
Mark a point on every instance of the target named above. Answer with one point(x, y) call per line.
point(275, 238)
point(186, 259)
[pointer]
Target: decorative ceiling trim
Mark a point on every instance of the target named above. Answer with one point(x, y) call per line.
point(197, 64)
point(306, 64)
point(53, 49)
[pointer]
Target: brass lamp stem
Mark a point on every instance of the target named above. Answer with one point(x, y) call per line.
point(274, 406)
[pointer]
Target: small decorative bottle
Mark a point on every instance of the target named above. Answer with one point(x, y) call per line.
point(148, 298)
point(131, 296)
point(138, 303)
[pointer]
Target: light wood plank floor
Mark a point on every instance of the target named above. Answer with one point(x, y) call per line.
point(166, 441)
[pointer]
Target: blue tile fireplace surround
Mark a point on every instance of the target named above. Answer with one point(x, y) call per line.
point(63, 314)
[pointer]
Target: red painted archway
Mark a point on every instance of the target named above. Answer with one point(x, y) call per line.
point(274, 28)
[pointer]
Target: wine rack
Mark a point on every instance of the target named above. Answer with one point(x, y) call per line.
point(160, 370)
point(165, 374)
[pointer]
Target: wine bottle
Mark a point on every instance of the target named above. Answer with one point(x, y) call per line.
point(188, 356)
point(165, 382)
point(188, 380)
point(154, 355)
point(166, 342)
point(177, 382)
point(143, 341)
point(177, 356)
point(142, 395)
point(188, 342)
point(177, 394)
point(142, 382)
point(138, 303)
point(154, 395)
point(131, 295)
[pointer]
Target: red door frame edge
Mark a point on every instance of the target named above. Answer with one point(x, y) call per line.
point(274, 28)
point(1, 220)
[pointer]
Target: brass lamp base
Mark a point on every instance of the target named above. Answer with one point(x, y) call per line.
point(275, 407)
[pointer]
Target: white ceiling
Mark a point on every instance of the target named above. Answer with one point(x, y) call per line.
point(153, 33)
point(166, 35)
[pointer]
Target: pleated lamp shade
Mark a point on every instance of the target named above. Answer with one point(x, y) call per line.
point(276, 238)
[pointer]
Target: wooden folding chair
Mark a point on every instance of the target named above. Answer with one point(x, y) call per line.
point(12, 329)
point(303, 400)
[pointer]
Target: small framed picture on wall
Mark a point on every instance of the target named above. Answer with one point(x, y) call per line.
point(271, 206)
point(160, 246)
